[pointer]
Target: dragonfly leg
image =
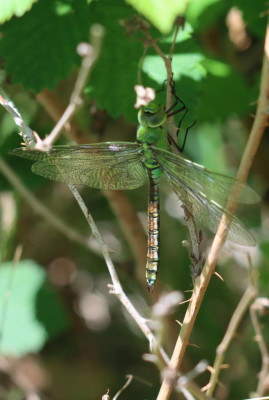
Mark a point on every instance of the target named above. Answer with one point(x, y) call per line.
point(181, 148)
point(162, 89)
point(184, 109)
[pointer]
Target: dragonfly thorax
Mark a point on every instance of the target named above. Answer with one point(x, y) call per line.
point(151, 118)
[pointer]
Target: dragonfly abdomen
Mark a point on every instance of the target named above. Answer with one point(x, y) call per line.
point(153, 231)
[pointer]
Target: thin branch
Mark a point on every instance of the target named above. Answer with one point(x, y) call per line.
point(241, 309)
point(26, 132)
point(54, 107)
point(153, 42)
point(117, 288)
point(258, 307)
point(58, 224)
point(202, 281)
point(194, 246)
point(140, 65)
point(40, 209)
point(127, 383)
point(118, 200)
point(123, 209)
point(90, 55)
point(183, 382)
point(180, 22)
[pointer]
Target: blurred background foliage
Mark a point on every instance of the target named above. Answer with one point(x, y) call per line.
point(64, 335)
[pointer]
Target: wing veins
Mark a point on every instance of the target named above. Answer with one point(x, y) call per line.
point(200, 206)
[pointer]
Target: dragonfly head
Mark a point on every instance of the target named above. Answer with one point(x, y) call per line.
point(152, 115)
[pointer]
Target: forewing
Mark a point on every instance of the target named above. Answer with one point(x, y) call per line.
point(206, 211)
point(113, 165)
point(213, 185)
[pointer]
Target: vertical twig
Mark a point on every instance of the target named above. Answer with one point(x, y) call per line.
point(116, 288)
point(202, 282)
point(258, 306)
point(241, 309)
point(194, 245)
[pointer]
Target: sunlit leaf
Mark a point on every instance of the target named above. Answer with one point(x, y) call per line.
point(21, 289)
point(9, 8)
point(161, 13)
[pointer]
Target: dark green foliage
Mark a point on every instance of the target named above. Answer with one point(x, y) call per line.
point(40, 47)
point(112, 83)
point(237, 103)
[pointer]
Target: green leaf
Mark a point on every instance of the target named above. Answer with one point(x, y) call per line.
point(40, 47)
point(187, 60)
point(161, 13)
point(203, 13)
point(39, 61)
point(155, 68)
point(183, 34)
point(115, 74)
point(188, 71)
point(9, 8)
point(22, 331)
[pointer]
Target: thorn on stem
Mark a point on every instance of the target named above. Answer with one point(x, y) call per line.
point(219, 276)
point(193, 345)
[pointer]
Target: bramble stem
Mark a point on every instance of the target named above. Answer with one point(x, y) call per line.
point(202, 282)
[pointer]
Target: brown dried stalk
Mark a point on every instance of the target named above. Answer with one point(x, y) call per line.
point(202, 282)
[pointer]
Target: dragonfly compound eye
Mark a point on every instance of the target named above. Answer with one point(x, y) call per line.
point(152, 116)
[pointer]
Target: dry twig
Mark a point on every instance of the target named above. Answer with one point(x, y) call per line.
point(202, 281)
point(259, 305)
point(237, 316)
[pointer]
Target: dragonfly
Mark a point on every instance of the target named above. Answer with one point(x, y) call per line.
point(126, 165)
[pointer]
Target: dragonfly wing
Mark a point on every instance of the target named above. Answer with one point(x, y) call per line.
point(113, 165)
point(208, 212)
point(213, 185)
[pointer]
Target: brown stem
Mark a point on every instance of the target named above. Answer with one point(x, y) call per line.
point(237, 316)
point(202, 282)
point(258, 306)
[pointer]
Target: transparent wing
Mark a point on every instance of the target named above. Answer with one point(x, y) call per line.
point(112, 165)
point(196, 197)
point(213, 185)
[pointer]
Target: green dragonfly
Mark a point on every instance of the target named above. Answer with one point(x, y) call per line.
point(124, 166)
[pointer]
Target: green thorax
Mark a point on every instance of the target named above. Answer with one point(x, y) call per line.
point(151, 133)
point(151, 119)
